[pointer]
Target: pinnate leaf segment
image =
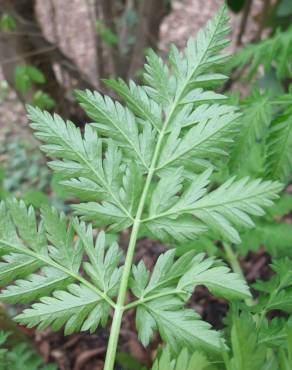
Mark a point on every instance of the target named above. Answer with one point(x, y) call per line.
point(144, 165)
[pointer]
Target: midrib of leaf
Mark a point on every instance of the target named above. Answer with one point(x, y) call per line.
point(66, 308)
point(154, 296)
point(212, 283)
point(143, 109)
point(248, 132)
point(166, 280)
point(144, 112)
point(274, 337)
point(52, 263)
point(176, 327)
point(123, 134)
point(181, 154)
point(104, 183)
point(188, 79)
point(283, 301)
point(176, 211)
point(161, 283)
point(12, 268)
point(151, 119)
point(176, 291)
point(120, 305)
point(35, 287)
point(284, 151)
point(272, 297)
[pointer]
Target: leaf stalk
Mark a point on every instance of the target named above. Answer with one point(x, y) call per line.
point(120, 306)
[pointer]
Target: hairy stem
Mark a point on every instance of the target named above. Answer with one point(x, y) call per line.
point(119, 309)
point(117, 319)
point(232, 259)
point(120, 306)
point(49, 262)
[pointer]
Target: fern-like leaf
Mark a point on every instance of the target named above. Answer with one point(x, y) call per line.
point(35, 286)
point(83, 162)
point(278, 161)
point(253, 128)
point(163, 295)
point(118, 123)
point(182, 130)
point(275, 52)
point(276, 293)
point(177, 326)
point(148, 165)
point(78, 308)
point(184, 361)
point(246, 352)
point(21, 356)
point(47, 257)
point(230, 204)
point(138, 101)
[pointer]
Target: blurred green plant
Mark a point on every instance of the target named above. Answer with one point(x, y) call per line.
point(128, 362)
point(284, 8)
point(7, 23)
point(20, 357)
point(106, 34)
point(26, 76)
point(275, 52)
point(184, 361)
point(43, 100)
point(3, 90)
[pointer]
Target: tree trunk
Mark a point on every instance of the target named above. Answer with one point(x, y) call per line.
point(118, 60)
point(150, 16)
point(27, 45)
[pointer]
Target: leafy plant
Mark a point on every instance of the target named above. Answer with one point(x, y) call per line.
point(146, 165)
point(184, 361)
point(43, 100)
point(258, 346)
point(262, 148)
point(26, 76)
point(7, 23)
point(20, 356)
point(107, 35)
point(274, 52)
